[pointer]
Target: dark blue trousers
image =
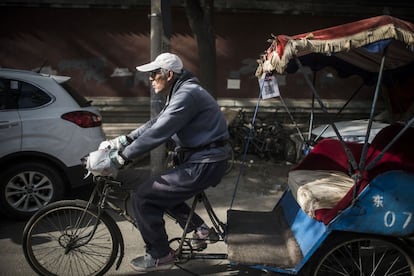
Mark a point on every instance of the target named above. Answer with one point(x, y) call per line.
point(167, 193)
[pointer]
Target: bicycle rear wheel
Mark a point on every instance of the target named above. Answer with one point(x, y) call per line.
point(60, 240)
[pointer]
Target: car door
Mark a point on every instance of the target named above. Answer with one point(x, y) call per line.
point(10, 124)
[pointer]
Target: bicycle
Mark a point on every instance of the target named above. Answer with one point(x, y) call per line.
point(267, 139)
point(77, 237)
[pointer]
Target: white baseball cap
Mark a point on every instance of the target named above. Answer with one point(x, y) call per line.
point(166, 61)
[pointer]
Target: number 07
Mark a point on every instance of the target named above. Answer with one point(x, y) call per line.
point(389, 219)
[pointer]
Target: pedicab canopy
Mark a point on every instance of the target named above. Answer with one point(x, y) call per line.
point(369, 47)
point(356, 46)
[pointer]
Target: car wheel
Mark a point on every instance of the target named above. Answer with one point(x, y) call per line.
point(26, 187)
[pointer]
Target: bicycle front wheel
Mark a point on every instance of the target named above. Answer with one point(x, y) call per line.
point(61, 239)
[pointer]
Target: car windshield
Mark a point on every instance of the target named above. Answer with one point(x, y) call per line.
point(81, 100)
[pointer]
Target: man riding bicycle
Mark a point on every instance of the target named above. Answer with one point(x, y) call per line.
point(192, 118)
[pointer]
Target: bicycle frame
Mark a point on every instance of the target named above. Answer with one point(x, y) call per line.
point(107, 185)
point(219, 227)
point(104, 190)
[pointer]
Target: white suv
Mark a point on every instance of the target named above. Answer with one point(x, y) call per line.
point(45, 129)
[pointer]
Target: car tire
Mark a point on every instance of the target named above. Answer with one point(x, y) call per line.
point(28, 186)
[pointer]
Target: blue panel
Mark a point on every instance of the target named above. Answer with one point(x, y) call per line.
point(377, 47)
point(386, 206)
point(307, 231)
point(290, 206)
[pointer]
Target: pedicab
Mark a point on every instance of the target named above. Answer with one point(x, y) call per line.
point(349, 207)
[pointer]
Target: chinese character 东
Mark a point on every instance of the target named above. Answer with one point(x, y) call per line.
point(378, 201)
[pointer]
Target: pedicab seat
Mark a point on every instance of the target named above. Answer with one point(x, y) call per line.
point(321, 183)
point(321, 180)
point(317, 189)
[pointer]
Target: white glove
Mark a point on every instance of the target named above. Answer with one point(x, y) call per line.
point(118, 143)
point(104, 162)
point(117, 159)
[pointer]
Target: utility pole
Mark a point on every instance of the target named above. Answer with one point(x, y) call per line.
point(160, 42)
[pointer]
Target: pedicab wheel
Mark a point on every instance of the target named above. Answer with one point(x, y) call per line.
point(186, 251)
point(356, 254)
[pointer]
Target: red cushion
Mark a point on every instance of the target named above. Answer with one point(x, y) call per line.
point(329, 154)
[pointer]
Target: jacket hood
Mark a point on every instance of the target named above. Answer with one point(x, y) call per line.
point(184, 77)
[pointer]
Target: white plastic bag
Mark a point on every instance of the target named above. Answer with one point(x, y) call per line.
point(99, 163)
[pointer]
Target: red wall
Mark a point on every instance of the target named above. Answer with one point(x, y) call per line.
point(89, 44)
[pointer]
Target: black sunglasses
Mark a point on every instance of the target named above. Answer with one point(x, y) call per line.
point(155, 73)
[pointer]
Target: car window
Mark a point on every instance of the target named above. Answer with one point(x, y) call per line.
point(19, 95)
point(31, 96)
point(81, 100)
point(8, 97)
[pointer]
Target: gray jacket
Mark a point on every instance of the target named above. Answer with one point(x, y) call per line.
point(191, 117)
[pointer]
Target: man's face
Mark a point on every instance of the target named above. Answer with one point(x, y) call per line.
point(159, 81)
